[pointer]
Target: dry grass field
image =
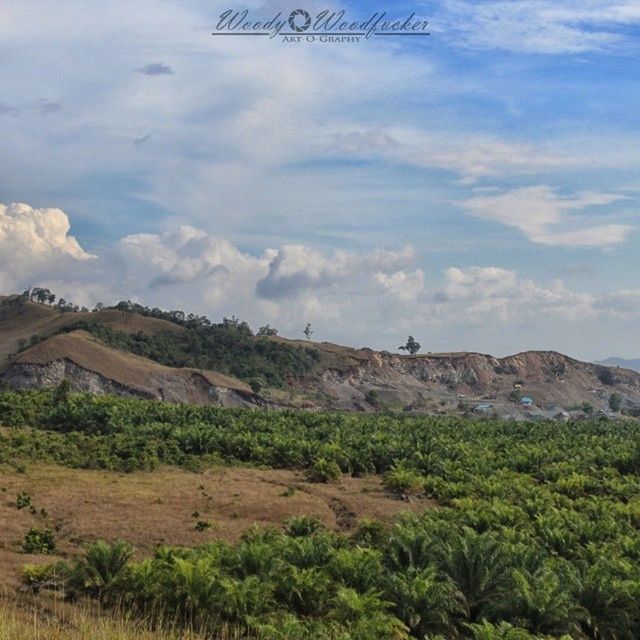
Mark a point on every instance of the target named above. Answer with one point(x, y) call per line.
point(147, 509)
point(163, 507)
point(25, 617)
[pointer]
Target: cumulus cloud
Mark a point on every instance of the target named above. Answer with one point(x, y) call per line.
point(373, 297)
point(477, 282)
point(493, 294)
point(34, 243)
point(287, 286)
point(296, 268)
point(542, 215)
point(37, 234)
point(624, 303)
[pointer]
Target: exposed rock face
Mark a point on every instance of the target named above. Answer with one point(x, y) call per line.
point(172, 388)
point(414, 383)
point(37, 376)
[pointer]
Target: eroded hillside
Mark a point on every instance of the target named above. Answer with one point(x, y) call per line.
point(41, 346)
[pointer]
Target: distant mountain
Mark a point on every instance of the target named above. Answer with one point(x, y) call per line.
point(621, 362)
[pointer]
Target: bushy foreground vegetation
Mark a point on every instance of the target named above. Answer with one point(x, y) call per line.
point(537, 534)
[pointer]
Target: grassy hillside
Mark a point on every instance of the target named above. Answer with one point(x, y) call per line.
point(167, 338)
point(228, 348)
point(23, 321)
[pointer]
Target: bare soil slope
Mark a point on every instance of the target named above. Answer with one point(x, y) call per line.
point(91, 366)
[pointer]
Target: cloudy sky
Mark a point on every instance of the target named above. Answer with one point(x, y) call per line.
point(478, 188)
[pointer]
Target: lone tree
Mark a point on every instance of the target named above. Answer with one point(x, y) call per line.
point(42, 295)
point(267, 330)
point(307, 331)
point(412, 346)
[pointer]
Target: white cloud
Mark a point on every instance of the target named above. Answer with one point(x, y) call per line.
point(40, 233)
point(624, 303)
point(35, 243)
point(296, 269)
point(482, 294)
point(542, 215)
point(373, 298)
point(472, 156)
point(540, 26)
point(477, 282)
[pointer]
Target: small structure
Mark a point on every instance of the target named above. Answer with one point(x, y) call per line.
point(525, 401)
point(562, 416)
point(485, 407)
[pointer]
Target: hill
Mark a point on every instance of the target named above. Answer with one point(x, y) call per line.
point(633, 364)
point(91, 366)
point(181, 358)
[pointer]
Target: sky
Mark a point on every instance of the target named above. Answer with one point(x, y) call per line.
point(477, 188)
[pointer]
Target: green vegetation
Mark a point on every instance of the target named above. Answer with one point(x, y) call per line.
point(615, 402)
point(412, 346)
point(23, 500)
point(372, 397)
point(403, 481)
point(323, 470)
point(40, 541)
point(229, 347)
point(537, 533)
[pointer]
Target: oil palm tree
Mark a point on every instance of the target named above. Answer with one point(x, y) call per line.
point(425, 601)
point(610, 605)
point(479, 567)
point(97, 572)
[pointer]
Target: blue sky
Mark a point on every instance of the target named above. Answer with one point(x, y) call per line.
point(477, 188)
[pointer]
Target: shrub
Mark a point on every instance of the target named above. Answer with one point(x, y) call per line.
point(39, 541)
point(62, 392)
point(323, 470)
point(300, 526)
point(403, 481)
point(615, 402)
point(369, 533)
point(371, 397)
point(202, 525)
point(36, 577)
point(23, 500)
